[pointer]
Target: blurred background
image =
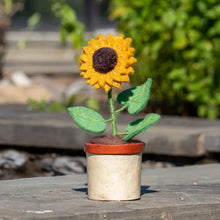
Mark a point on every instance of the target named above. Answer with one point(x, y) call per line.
point(177, 44)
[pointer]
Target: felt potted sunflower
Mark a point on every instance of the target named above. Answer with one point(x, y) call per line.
point(114, 161)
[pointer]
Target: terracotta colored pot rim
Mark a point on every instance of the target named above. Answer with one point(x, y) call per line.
point(130, 148)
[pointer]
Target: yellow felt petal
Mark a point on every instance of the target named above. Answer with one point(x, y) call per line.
point(97, 86)
point(103, 42)
point(100, 37)
point(84, 66)
point(82, 73)
point(107, 87)
point(84, 57)
point(87, 50)
point(127, 42)
point(87, 75)
point(101, 80)
point(114, 73)
point(124, 78)
point(91, 46)
point(93, 80)
point(120, 53)
point(110, 37)
point(131, 61)
point(117, 77)
point(109, 79)
point(120, 37)
point(118, 42)
point(117, 84)
point(130, 70)
point(111, 40)
point(131, 51)
point(95, 44)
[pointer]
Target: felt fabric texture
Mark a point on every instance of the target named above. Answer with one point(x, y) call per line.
point(108, 140)
point(104, 59)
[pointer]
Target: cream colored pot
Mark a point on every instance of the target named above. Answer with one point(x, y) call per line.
point(114, 176)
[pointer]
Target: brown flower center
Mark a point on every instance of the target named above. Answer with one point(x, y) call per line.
point(104, 59)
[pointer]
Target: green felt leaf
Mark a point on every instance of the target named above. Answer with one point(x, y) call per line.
point(87, 119)
point(135, 98)
point(140, 125)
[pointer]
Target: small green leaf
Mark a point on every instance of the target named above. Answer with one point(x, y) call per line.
point(87, 119)
point(140, 125)
point(135, 98)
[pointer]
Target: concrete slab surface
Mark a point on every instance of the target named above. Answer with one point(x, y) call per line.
point(174, 136)
point(167, 193)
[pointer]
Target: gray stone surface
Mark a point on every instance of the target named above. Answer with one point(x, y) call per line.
point(170, 136)
point(39, 56)
point(66, 165)
point(12, 159)
point(212, 140)
point(42, 130)
point(167, 193)
point(176, 141)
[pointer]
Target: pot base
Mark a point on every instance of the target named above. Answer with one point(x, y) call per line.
point(114, 177)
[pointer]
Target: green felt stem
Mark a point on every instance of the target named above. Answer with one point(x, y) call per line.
point(122, 133)
point(121, 109)
point(108, 120)
point(113, 115)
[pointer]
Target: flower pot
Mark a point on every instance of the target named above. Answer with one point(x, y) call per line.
point(114, 171)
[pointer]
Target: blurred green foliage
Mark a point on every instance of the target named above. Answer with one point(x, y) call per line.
point(32, 24)
point(43, 106)
point(58, 106)
point(9, 7)
point(70, 26)
point(177, 45)
point(33, 21)
point(93, 104)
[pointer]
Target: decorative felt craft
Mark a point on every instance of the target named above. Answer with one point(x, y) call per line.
point(87, 119)
point(135, 98)
point(106, 62)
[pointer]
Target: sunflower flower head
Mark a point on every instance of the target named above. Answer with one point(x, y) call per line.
point(107, 61)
